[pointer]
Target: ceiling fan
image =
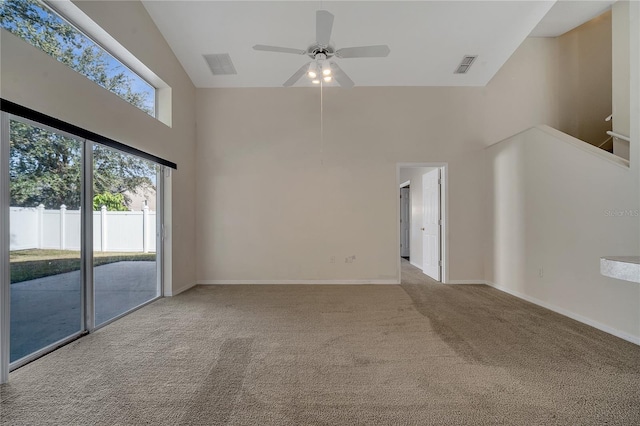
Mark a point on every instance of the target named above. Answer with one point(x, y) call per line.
point(321, 53)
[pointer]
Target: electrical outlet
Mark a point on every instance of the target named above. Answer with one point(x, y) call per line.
point(332, 259)
point(541, 272)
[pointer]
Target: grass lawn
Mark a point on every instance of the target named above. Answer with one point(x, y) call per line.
point(31, 264)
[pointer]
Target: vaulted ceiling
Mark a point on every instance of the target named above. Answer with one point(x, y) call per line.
point(428, 39)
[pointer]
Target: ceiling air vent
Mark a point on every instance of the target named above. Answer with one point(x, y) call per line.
point(220, 64)
point(465, 64)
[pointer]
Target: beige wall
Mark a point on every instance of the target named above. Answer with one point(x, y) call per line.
point(554, 209)
point(33, 79)
point(277, 203)
point(584, 61)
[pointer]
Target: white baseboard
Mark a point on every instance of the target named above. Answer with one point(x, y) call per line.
point(466, 282)
point(176, 292)
point(268, 282)
point(625, 336)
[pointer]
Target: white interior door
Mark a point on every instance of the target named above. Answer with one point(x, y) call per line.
point(431, 224)
point(405, 214)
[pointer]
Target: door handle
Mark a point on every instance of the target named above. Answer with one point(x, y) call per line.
point(422, 229)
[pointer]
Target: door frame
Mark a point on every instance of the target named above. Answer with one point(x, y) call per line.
point(5, 277)
point(87, 308)
point(444, 214)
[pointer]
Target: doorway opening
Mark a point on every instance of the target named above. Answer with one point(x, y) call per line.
point(422, 218)
point(405, 221)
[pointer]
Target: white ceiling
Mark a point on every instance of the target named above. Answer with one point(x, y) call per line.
point(565, 15)
point(427, 38)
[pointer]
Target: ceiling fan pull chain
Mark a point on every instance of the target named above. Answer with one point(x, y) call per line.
point(321, 123)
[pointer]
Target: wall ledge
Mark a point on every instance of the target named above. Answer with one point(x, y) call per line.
point(585, 146)
point(582, 145)
point(625, 268)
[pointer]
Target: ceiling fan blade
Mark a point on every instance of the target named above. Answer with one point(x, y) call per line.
point(279, 49)
point(379, 51)
point(297, 76)
point(324, 25)
point(341, 77)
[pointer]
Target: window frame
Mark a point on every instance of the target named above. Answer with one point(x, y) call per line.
point(58, 10)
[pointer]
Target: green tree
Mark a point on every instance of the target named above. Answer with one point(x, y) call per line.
point(37, 25)
point(113, 202)
point(45, 167)
point(119, 173)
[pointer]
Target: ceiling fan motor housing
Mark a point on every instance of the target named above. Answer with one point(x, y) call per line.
point(314, 50)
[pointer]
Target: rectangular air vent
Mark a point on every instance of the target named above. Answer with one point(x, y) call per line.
point(220, 64)
point(464, 66)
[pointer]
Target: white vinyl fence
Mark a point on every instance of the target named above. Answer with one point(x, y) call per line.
point(37, 228)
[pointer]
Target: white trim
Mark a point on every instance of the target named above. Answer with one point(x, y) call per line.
point(404, 184)
point(621, 334)
point(166, 234)
point(158, 231)
point(171, 293)
point(311, 282)
point(466, 282)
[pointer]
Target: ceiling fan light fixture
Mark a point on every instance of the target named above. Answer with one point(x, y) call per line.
point(315, 81)
point(313, 70)
point(326, 68)
point(327, 79)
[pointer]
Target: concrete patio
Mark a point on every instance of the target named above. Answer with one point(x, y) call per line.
point(49, 309)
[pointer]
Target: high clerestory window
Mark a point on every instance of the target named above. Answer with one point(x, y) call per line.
point(36, 23)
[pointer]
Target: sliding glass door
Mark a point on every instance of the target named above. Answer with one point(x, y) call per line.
point(80, 225)
point(45, 182)
point(125, 257)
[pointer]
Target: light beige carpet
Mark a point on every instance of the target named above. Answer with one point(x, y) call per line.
point(416, 354)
